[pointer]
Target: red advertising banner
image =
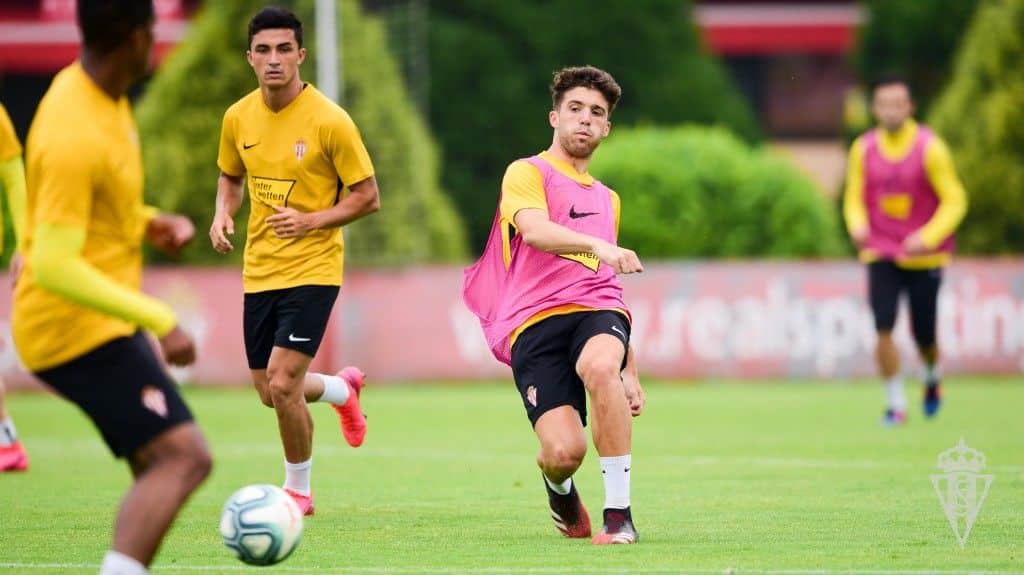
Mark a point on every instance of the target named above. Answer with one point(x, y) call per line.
point(691, 320)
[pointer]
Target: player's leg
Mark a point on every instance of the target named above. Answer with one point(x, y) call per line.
point(302, 317)
point(884, 285)
point(286, 374)
point(127, 394)
point(167, 471)
point(924, 302)
point(12, 453)
point(556, 406)
point(605, 338)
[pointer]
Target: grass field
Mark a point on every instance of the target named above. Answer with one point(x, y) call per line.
point(765, 478)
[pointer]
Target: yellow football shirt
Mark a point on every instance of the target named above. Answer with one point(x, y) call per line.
point(523, 188)
point(84, 175)
point(299, 157)
point(10, 147)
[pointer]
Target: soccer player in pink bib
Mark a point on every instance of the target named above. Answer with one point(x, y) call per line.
point(547, 294)
point(903, 203)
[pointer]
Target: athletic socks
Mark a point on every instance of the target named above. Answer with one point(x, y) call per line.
point(115, 563)
point(894, 392)
point(8, 435)
point(932, 374)
point(616, 481)
point(336, 389)
point(562, 488)
point(296, 476)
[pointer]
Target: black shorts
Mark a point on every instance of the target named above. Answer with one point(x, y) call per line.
point(292, 318)
point(124, 389)
point(544, 359)
point(886, 281)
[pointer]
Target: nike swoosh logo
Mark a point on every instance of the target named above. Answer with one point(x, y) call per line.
point(291, 337)
point(247, 146)
point(577, 215)
point(627, 470)
point(616, 329)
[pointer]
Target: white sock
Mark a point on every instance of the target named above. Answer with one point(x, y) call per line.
point(562, 488)
point(336, 389)
point(296, 476)
point(616, 481)
point(8, 435)
point(115, 563)
point(894, 392)
point(932, 372)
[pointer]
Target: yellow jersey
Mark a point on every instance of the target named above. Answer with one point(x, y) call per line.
point(523, 188)
point(299, 157)
point(84, 170)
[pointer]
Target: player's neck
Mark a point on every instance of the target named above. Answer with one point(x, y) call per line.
point(107, 74)
point(579, 164)
point(278, 99)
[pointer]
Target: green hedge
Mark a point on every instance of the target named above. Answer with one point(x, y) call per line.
point(180, 117)
point(981, 115)
point(693, 192)
point(491, 62)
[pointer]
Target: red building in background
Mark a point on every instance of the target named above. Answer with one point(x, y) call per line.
point(791, 59)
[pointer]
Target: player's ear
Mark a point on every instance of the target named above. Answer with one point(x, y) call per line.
point(607, 129)
point(248, 57)
point(553, 118)
point(302, 55)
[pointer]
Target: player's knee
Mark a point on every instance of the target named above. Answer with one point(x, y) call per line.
point(599, 373)
point(564, 457)
point(283, 390)
point(265, 397)
point(198, 464)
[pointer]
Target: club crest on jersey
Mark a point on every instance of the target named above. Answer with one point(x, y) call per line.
point(154, 400)
point(300, 149)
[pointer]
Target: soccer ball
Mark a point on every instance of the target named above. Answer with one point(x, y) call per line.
point(261, 524)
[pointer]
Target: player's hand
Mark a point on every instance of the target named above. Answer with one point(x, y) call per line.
point(289, 222)
point(222, 227)
point(634, 392)
point(170, 232)
point(17, 264)
point(914, 245)
point(621, 260)
point(178, 347)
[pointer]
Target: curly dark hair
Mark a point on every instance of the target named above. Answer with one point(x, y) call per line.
point(588, 77)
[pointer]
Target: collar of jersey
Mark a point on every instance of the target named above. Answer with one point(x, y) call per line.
point(897, 146)
point(567, 170)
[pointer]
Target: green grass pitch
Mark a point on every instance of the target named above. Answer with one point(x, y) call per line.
point(763, 478)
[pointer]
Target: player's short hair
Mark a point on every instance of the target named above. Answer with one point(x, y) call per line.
point(273, 17)
point(588, 77)
point(106, 24)
point(890, 79)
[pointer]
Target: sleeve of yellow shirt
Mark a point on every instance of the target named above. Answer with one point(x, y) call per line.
point(63, 206)
point(10, 147)
point(12, 177)
point(617, 210)
point(952, 197)
point(348, 153)
point(228, 159)
point(521, 188)
point(854, 211)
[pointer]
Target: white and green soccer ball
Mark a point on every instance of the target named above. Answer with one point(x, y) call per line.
point(262, 524)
